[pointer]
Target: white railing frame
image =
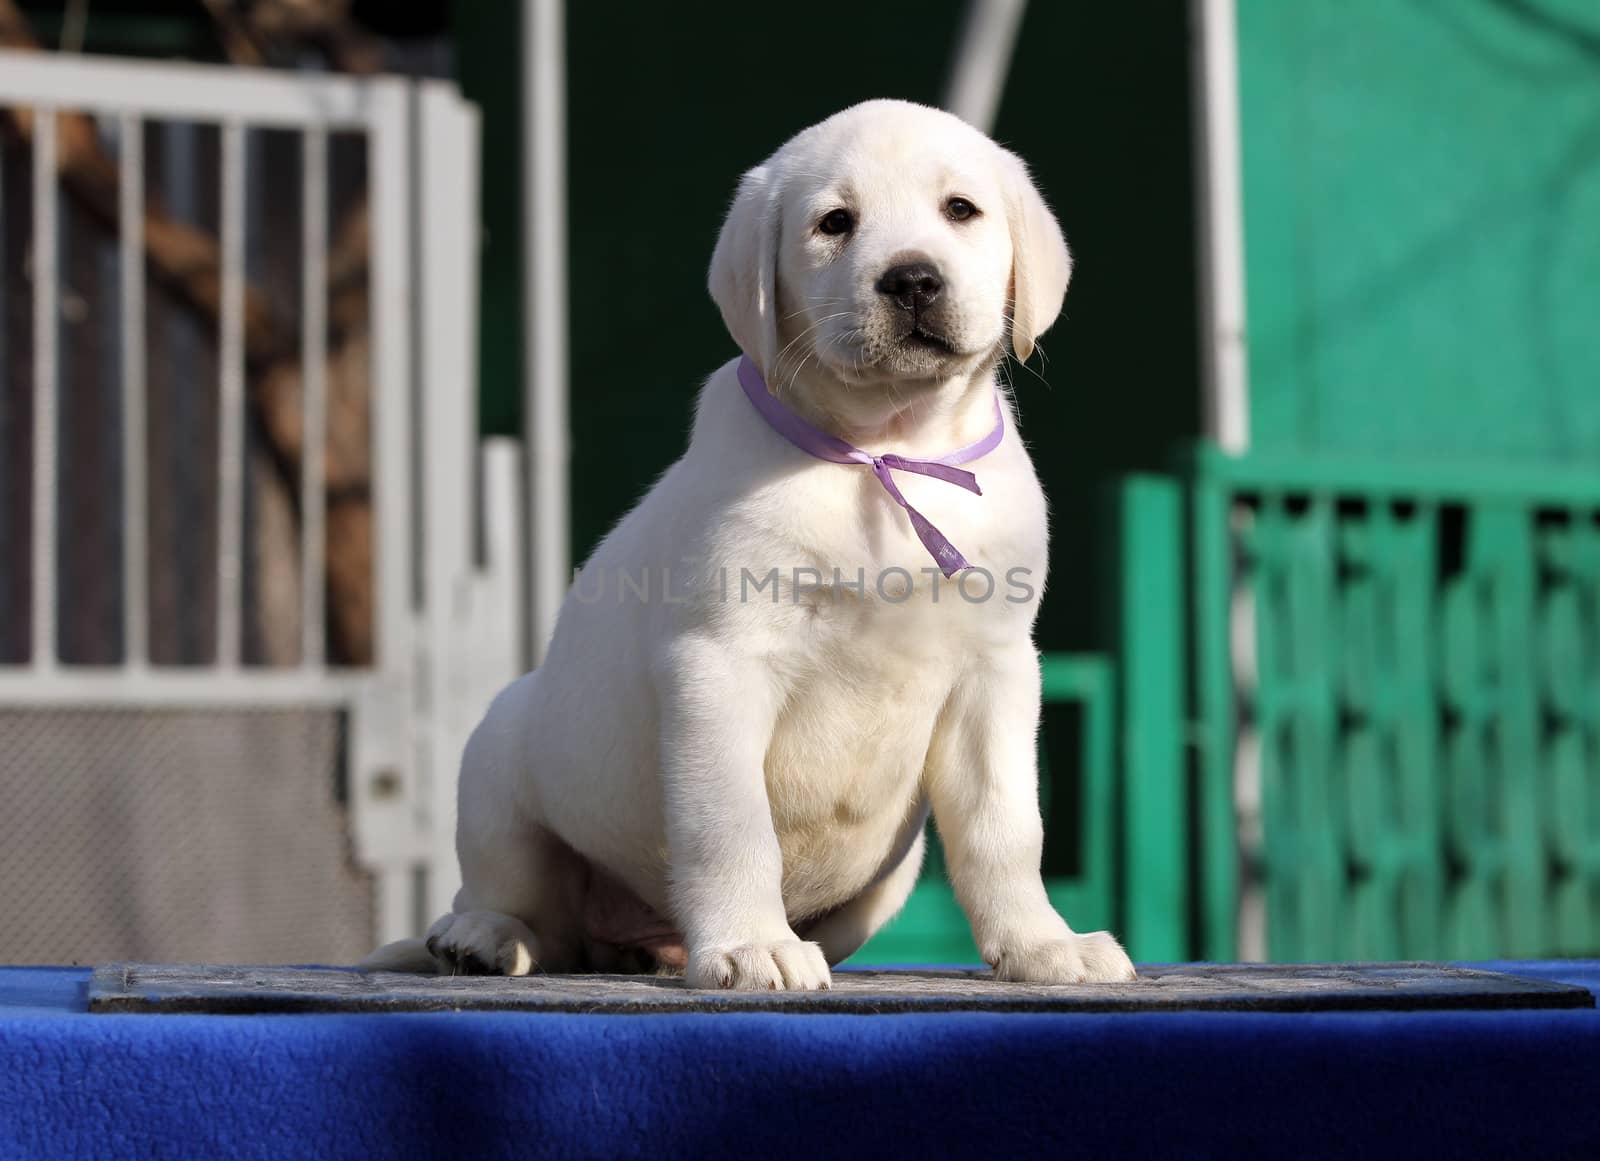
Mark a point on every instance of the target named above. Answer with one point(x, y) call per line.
point(437, 660)
point(546, 371)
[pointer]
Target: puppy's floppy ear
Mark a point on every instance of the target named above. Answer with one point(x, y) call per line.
point(1041, 264)
point(744, 268)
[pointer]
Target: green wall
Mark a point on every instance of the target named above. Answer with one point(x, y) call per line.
point(1422, 204)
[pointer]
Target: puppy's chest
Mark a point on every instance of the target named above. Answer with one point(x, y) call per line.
point(847, 753)
point(876, 638)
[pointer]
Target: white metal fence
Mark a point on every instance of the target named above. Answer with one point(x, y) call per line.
point(446, 622)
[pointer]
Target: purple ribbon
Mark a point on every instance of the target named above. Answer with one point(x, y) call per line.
point(835, 450)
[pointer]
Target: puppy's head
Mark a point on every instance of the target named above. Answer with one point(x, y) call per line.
point(890, 243)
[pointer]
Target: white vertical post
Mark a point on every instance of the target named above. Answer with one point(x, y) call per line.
point(135, 506)
point(314, 386)
point(230, 403)
point(385, 791)
point(45, 336)
point(496, 652)
point(446, 249)
point(544, 239)
point(983, 60)
point(393, 899)
point(1220, 204)
point(1224, 348)
point(389, 178)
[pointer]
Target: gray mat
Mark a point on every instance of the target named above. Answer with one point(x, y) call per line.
point(1198, 987)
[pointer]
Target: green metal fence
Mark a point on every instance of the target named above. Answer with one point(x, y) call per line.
point(1365, 696)
point(1413, 655)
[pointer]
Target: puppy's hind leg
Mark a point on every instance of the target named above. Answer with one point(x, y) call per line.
point(522, 888)
point(519, 907)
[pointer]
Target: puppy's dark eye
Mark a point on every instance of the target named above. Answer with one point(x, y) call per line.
point(959, 209)
point(837, 222)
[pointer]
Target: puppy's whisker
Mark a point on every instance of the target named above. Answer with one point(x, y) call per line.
point(1029, 370)
point(777, 364)
point(821, 301)
point(894, 396)
point(797, 370)
point(777, 368)
point(819, 322)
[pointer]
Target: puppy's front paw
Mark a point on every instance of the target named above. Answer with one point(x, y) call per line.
point(482, 943)
point(789, 964)
point(1095, 958)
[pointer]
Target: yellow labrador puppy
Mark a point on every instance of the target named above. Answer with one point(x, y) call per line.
point(817, 624)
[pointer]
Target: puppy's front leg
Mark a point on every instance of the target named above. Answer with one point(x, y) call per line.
point(984, 782)
point(718, 709)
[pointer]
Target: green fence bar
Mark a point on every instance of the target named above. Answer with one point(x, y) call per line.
point(1217, 865)
point(1152, 652)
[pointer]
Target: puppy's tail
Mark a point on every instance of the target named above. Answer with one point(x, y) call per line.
point(403, 955)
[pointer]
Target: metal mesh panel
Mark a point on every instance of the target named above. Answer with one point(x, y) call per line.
point(177, 835)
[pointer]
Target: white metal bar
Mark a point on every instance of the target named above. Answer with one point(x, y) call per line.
point(544, 420)
point(45, 359)
point(500, 578)
point(447, 293)
point(176, 685)
point(135, 509)
point(1224, 340)
point(389, 180)
point(313, 379)
point(386, 738)
point(1220, 204)
point(394, 901)
point(230, 403)
point(188, 92)
point(487, 651)
point(983, 60)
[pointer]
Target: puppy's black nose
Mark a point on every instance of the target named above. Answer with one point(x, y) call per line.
point(914, 286)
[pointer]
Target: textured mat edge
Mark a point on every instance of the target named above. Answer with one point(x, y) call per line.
point(225, 989)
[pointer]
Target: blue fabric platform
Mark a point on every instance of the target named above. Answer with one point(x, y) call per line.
point(486, 1085)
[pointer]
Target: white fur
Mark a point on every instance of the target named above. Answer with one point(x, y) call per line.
point(752, 768)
